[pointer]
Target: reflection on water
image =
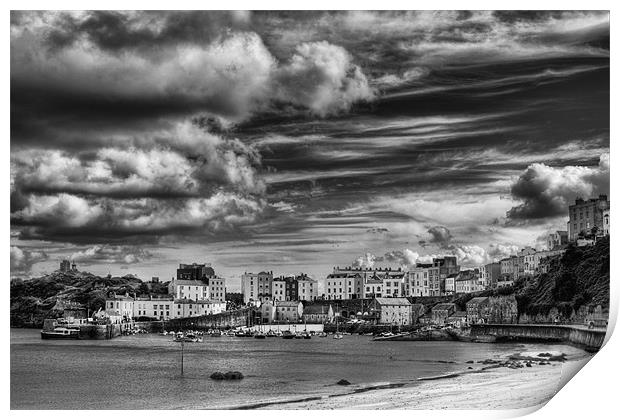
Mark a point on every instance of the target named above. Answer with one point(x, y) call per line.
point(143, 371)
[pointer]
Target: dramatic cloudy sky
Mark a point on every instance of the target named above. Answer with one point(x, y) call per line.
point(299, 141)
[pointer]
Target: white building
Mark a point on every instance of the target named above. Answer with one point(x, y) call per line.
point(417, 283)
point(307, 288)
point(373, 287)
point(451, 284)
point(121, 306)
point(249, 287)
point(161, 307)
point(152, 307)
point(189, 289)
point(278, 287)
point(393, 284)
point(184, 308)
point(468, 281)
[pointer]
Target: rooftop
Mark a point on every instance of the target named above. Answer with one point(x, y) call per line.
point(477, 300)
point(443, 306)
point(316, 309)
point(287, 303)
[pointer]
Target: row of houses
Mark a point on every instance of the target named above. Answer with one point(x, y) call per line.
point(129, 308)
point(196, 291)
point(441, 277)
point(263, 287)
point(397, 311)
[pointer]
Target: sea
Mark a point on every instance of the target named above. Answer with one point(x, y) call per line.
point(144, 371)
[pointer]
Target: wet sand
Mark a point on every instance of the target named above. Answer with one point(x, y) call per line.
point(499, 388)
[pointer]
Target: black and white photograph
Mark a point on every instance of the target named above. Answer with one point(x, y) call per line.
point(306, 210)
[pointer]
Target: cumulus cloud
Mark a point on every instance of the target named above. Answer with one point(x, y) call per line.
point(157, 171)
point(365, 261)
point(546, 191)
point(322, 78)
point(22, 260)
point(231, 74)
point(500, 251)
point(471, 255)
point(112, 254)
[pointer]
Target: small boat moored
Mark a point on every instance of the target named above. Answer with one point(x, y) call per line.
point(61, 333)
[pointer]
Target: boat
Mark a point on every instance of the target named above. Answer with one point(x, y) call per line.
point(216, 333)
point(299, 336)
point(337, 334)
point(259, 335)
point(271, 333)
point(322, 334)
point(287, 334)
point(306, 335)
point(190, 337)
point(61, 333)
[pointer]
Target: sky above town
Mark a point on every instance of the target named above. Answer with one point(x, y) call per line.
point(299, 141)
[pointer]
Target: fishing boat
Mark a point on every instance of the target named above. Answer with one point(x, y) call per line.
point(306, 335)
point(287, 334)
point(271, 333)
point(322, 334)
point(215, 333)
point(61, 333)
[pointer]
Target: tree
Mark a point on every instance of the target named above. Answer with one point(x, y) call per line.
point(143, 289)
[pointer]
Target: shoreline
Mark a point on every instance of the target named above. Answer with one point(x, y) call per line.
point(491, 387)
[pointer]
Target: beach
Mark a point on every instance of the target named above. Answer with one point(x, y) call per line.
point(497, 388)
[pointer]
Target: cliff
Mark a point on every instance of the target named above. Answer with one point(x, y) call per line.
point(577, 279)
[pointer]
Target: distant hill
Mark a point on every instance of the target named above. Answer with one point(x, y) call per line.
point(33, 300)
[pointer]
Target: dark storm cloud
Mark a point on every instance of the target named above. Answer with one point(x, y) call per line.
point(440, 235)
point(114, 31)
point(310, 116)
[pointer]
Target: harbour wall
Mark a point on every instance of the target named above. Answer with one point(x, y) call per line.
point(228, 319)
point(590, 339)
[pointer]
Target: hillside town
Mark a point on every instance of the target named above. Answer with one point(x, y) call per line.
point(386, 295)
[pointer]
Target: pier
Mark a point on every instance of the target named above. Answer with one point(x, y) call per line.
point(591, 339)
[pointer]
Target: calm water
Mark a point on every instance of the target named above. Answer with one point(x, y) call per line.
point(143, 372)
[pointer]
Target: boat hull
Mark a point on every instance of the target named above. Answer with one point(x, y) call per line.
point(47, 335)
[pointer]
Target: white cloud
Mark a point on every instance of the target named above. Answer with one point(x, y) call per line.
point(546, 191)
point(322, 78)
point(22, 260)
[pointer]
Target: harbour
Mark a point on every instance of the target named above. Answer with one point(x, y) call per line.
point(143, 371)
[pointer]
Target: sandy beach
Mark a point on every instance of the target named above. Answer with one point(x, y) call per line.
point(499, 388)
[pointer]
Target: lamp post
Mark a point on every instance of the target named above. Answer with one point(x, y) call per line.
point(182, 348)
